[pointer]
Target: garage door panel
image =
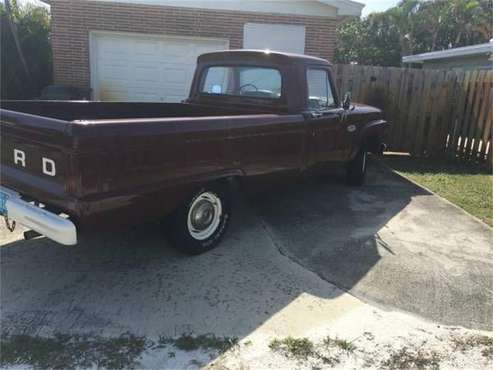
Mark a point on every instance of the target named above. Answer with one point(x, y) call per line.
point(150, 48)
point(135, 67)
point(178, 59)
point(147, 74)
point(147, 96)
point(176, 75)
point(174, 98)
point(110, 47)
point(203, 49)
point(112, 94)
point(114, 72)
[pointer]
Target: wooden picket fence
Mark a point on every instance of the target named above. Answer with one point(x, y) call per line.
point(433, 112)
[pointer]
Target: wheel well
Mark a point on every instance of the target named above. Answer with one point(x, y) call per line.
point(372, 142)
point(231, 183)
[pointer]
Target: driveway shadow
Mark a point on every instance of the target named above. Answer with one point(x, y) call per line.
point(333, 229)
point(389, 242)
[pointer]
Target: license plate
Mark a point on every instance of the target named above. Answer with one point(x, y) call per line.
point(3, 203)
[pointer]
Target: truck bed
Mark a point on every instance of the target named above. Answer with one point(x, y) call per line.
point(132, 157)
point(86, 110)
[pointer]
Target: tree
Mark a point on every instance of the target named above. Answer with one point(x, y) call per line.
point(15, 36)
point(403, 18)
point(373, 41)
point(414, 26)
point(26, 63)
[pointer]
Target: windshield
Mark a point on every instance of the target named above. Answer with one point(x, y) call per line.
point(259, 82)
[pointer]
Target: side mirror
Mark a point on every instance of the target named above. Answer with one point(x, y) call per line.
point(346, 103)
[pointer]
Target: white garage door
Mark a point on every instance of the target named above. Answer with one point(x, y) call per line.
point(135, 67)
point(279, 37)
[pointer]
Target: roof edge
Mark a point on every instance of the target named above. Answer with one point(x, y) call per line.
point(450, 53)
point(315, 8)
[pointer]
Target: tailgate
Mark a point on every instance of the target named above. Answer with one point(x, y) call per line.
point(35, 157)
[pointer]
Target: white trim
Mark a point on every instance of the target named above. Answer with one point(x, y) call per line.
point(450, 53)
point(324, 8)
point(346, 7)
point(93, 57)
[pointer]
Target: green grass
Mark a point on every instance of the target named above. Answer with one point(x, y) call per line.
point(343, 344)
point(472, 341)
point(406, 358)
point(469, 186)
point(82, 352)
point(300, 348)
point(68, 352)
point(188, 342)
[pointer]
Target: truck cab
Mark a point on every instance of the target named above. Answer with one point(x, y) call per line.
point(283, 83)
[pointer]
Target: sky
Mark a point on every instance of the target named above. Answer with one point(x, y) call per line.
point(376, 5)
point(370, 5)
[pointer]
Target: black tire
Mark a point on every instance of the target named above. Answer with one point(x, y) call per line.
point(356, 171)
point(194, 234)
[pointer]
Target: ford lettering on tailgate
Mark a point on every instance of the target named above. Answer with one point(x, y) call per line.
point(34, 159)
point(48, 165)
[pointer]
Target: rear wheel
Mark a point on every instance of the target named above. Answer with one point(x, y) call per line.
point(356, 171)
point(199, 225)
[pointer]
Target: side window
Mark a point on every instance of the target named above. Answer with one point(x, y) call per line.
point(319, 90)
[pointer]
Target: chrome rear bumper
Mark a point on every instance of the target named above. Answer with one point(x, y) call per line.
point(53, 226)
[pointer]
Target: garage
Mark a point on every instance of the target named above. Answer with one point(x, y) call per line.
point(146, 68)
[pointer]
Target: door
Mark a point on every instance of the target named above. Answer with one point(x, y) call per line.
point(326, 133)
point(278, 37)
point(147, 68)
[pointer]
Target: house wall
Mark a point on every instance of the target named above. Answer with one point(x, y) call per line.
point(72, 21)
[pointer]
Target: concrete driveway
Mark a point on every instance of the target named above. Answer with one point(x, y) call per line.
point(389, 243)
point(134, 282)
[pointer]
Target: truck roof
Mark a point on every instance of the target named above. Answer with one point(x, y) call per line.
point(265, 56)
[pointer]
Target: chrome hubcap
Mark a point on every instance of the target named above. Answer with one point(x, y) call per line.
point(204, 216)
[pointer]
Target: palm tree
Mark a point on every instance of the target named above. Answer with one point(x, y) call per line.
point(472, 17)
point(402, 17)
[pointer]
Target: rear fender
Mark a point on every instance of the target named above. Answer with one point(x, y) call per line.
point(229, 179)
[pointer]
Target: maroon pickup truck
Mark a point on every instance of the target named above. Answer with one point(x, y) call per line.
point(250, 115)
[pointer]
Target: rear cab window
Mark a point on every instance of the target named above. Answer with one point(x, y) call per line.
point(247, 81)
point(320, 91)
